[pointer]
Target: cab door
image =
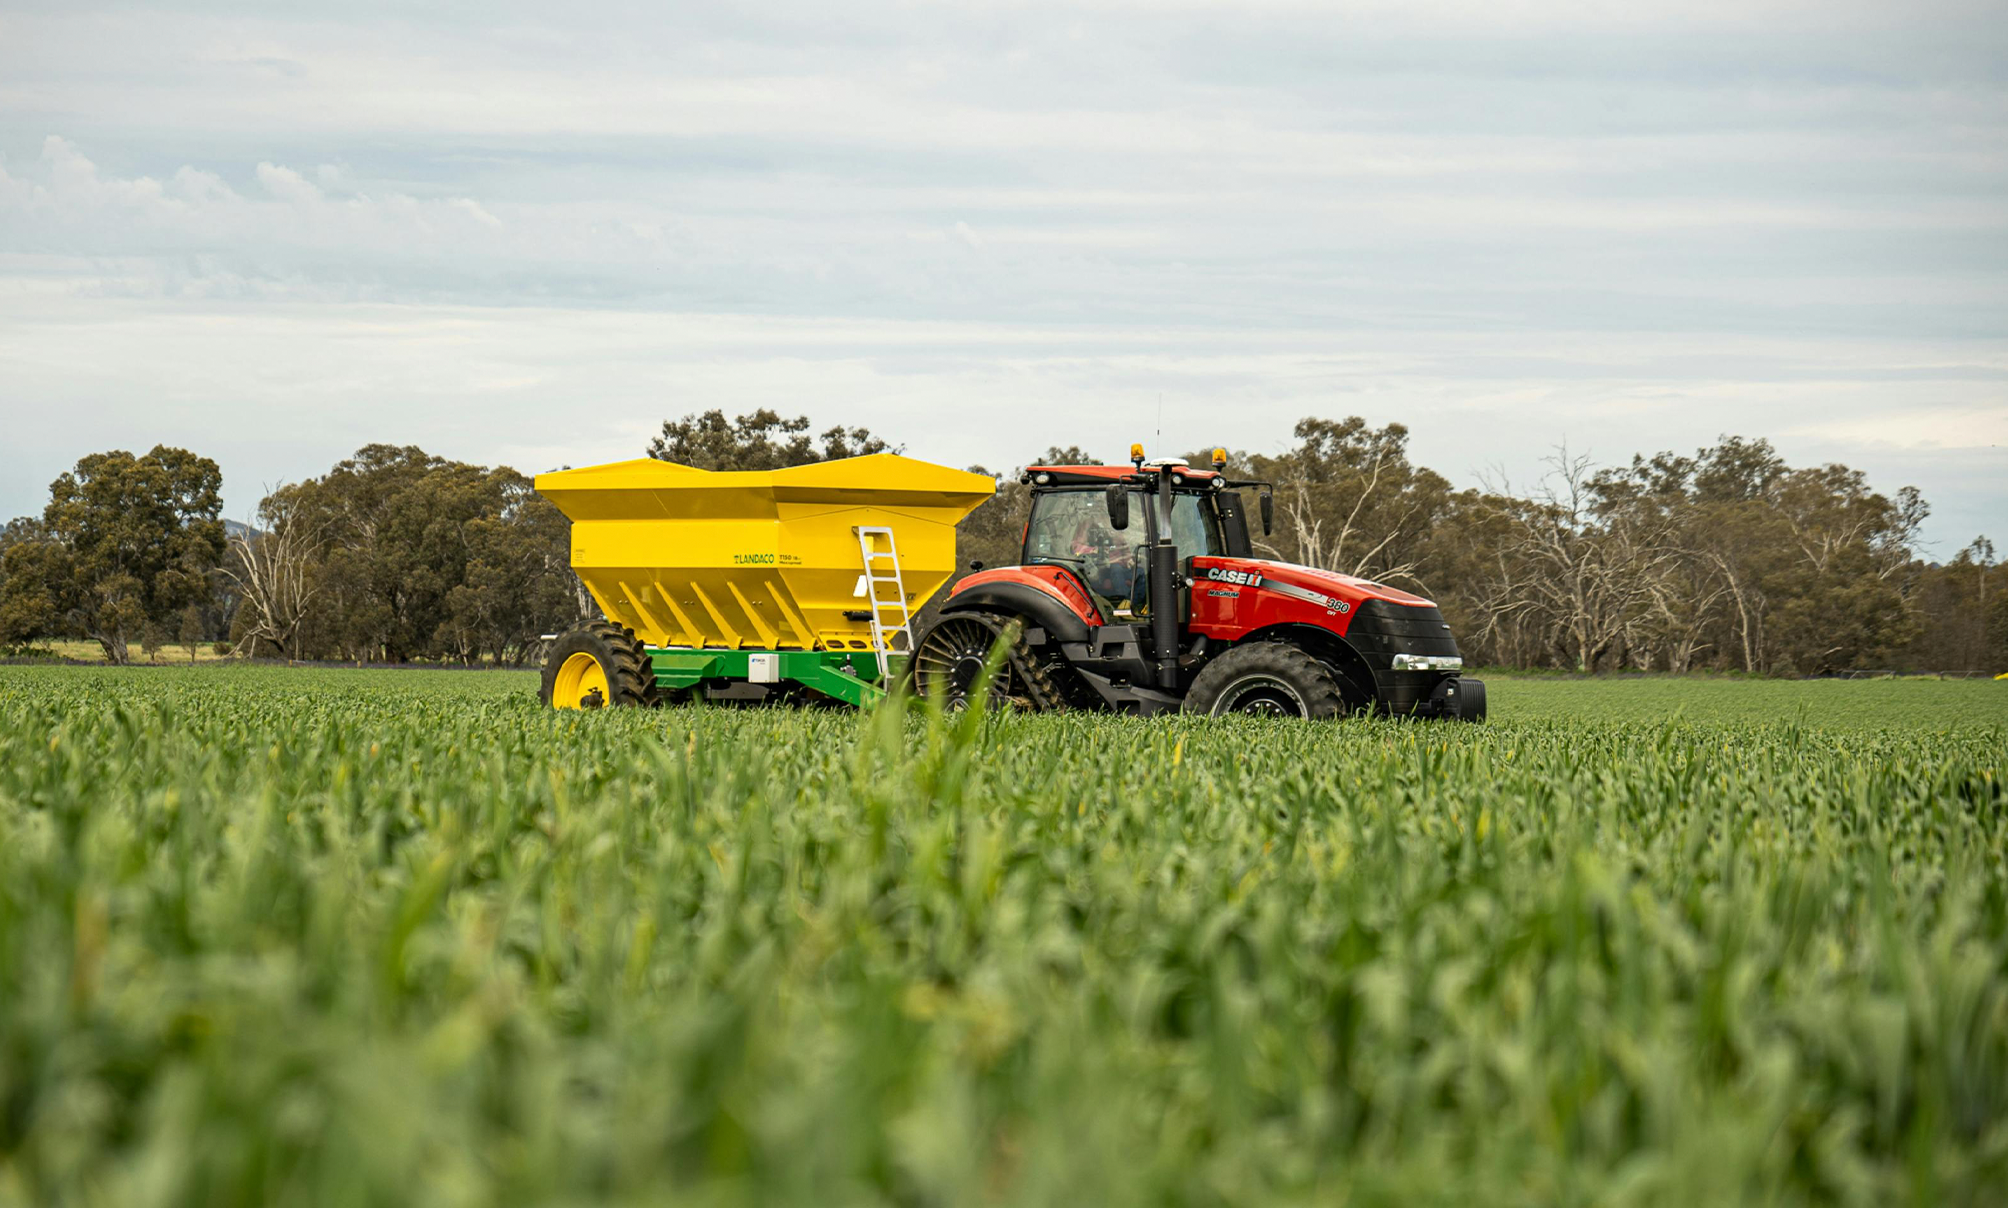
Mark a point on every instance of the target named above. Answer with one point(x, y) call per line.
point(1071, 528)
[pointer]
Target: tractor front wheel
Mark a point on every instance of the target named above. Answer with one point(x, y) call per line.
point(1266, 679)
point(950, 657)
point(1471, 699)
point(595, 666)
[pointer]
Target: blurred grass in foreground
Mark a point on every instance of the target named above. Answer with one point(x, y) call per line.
point(270, 935)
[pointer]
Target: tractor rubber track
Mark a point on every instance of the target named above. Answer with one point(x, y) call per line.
point(1039, 686)
point(1041, 695)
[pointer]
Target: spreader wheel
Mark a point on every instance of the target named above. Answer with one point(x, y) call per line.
point(950, 657)
point(597, 665)
point(1266, 679)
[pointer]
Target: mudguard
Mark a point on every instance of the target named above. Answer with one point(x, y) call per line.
point(1047, 596)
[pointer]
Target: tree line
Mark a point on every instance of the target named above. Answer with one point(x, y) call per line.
point(1726, 558)
point(1723, 559)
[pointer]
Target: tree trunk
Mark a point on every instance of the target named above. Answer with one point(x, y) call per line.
point(1679, 655)
point(1742, 613)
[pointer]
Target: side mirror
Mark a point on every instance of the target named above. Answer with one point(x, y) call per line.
point(1268, 513)
point(1118, 507)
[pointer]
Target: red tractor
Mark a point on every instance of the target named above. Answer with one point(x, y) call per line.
point(1177, 613)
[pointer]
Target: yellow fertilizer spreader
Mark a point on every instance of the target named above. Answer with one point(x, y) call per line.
point(800, 578)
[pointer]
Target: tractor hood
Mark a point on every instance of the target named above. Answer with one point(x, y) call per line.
point(1349, 588)
point(1396, 633)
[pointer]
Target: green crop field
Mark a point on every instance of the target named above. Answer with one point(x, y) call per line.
point(274, 936)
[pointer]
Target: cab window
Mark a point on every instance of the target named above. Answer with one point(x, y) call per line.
point(1072, 528)
point(1195, 528)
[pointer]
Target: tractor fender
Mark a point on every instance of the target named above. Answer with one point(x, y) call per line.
point(1043, 608)
point(1328, 647)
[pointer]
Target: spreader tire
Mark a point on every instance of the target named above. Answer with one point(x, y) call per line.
point(1267, 679)
point(597, 665)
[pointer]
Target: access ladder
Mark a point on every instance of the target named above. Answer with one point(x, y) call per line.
point(877, 561)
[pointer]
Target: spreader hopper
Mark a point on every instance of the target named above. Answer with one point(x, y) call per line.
point(768, 559)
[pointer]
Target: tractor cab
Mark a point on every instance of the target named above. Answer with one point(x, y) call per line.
point(1106, 523)
point(1108, 564)
point(1076, 512)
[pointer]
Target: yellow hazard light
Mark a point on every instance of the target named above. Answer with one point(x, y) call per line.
point(1136, 454)
point(1220, 459)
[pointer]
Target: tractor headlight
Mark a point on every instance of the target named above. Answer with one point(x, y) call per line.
point(1428, 662)
point(1043, 479)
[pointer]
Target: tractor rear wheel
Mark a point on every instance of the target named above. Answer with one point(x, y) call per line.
point(950, 656)
point(597, 665)
point(1266, 679)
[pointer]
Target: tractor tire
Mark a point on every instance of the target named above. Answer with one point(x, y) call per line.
point(950, 655)
point(1266, 679)
point(1471, 699)
point(598, 665)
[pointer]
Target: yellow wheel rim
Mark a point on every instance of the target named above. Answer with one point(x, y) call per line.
point(581, 684)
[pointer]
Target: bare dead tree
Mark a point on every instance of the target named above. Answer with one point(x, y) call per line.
point(1679, 611)
point(272, 570)
point(1582, 583)
point(1301, 509)
point(1749, 601)
point(1509, 612)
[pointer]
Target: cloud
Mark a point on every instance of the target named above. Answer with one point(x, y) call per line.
point(197, 235)
point(1977, 425)
point(201, 188)
point(473, 209)
point(287, 185)
point(288, 68)
point(67, 177)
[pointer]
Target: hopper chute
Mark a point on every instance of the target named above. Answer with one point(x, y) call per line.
point(765, 559)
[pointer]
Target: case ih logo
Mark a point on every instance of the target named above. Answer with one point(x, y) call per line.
point(1251, 579)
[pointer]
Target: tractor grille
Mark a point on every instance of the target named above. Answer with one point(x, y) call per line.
point(1381, 630)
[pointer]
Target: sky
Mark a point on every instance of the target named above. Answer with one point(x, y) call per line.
point(529, 233)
